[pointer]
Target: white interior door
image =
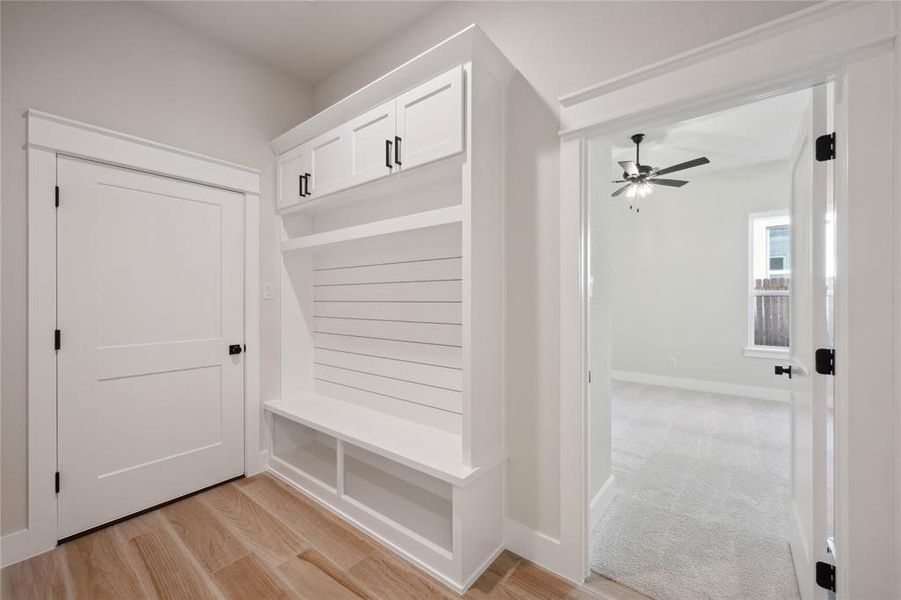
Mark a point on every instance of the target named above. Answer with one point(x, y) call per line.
point(430, 120)
point(809, 331)
point(150, 296)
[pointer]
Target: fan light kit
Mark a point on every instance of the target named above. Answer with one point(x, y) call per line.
point(640, 179)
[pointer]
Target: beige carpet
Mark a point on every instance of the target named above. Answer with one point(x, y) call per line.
point(702, 497)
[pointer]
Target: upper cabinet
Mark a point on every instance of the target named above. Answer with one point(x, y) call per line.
point(430, 120)
point(293, 172)
point(371, 138)
point(329, 162)
point(422, 125)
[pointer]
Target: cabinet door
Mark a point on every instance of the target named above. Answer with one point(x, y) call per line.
point(292, 167)
point(330, 158)
point(371, 138)
point(430, 119)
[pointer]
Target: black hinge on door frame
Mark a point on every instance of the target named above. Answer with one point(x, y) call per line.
point(56, 197)
point(825, 148)
point(56, 482)
point(826, 575)
point(824, 358)
point(57, 339)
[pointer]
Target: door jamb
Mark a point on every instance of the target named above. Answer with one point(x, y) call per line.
point(49, 136)
point(844, 42)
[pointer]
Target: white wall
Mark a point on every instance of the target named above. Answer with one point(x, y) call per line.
point(679, 276)
point(120, 66)
point(558, 47)
point(896, 182)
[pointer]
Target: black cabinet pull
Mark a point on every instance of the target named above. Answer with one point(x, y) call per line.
point(300, 186)
point(306, 184)
point(397, 150)
point(388, 153)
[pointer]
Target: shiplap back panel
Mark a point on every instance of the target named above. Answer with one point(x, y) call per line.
point(387, 322)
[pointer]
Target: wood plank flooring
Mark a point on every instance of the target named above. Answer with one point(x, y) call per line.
point(257, 539)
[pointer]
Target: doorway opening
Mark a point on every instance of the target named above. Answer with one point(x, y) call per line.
point(710, 440)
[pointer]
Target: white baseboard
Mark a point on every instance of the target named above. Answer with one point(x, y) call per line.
point(601, 502)
point(15, 547)
point(699, 385)
point(535, 546)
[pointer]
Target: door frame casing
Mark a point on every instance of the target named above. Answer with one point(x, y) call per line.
point(851, 44)
point(50, 136)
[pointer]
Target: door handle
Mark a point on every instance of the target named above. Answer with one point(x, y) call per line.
point(300, 186)
point(388, 153)
point(306, 184)
point(234, 349)
point(781, 370)
point(397, 150)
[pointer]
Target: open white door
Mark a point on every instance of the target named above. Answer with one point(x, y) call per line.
point(809, 331)
point(150, 396)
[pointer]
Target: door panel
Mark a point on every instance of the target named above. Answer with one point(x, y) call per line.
point(808, 332)
point(430, 119)
point(291, 168)
point(330, 157)
point(150, 403)
point(368, 135)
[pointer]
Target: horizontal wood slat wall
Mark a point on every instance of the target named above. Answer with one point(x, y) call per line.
point(422, 312)
point(408, 291)
point(427, 354)
point(444, 377)
point(388, 328)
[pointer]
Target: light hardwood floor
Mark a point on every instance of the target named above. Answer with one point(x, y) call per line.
point(255, 538)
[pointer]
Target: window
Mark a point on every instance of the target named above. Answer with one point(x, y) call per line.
point(770, 284)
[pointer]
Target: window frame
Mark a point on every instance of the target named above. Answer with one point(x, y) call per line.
point(751, 349)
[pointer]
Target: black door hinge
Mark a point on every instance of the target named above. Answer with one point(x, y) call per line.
point(826, 575)
point(826, 147)
point(56, 482)
point(56, 197)
point(57, 339)
point(825, 361)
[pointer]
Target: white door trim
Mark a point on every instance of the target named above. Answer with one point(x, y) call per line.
point(49, 136)
point(850, 43)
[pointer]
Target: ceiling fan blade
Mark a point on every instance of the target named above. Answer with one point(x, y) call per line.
point(629, 167)
point(682, 166)
point(668, 182)
point(620, 190)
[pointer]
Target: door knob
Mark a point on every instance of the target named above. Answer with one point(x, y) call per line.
point(780, 370)
point(235, 349)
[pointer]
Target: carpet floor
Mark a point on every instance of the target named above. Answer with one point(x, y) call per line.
point(702, 506)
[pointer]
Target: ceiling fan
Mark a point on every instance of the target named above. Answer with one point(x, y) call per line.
point(640, 179)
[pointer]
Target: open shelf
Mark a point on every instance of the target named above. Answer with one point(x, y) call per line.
point(424, 449)
point(419, 503)
point(421, 220)
point(306, 450)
